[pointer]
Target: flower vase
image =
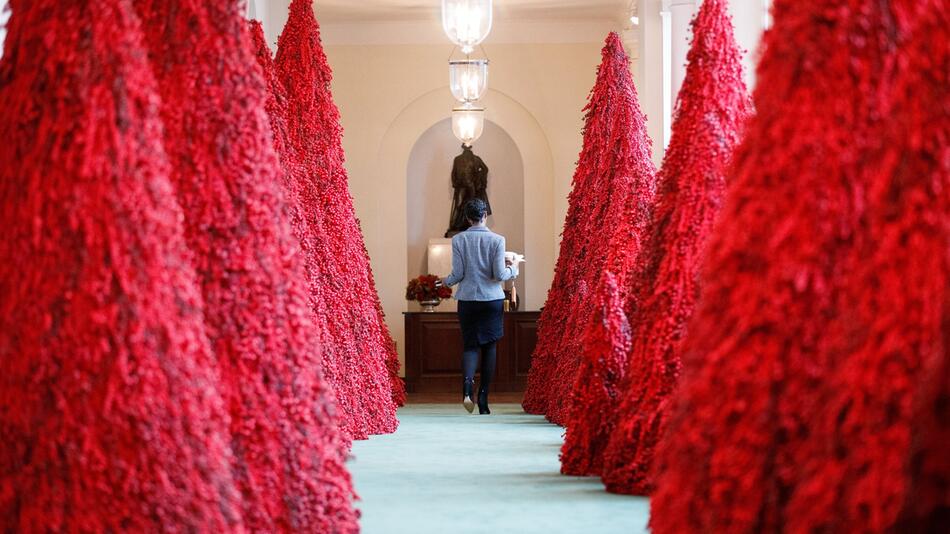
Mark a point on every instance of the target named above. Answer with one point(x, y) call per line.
point(428, 306)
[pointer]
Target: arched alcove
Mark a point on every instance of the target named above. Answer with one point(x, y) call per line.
point(429, 192)
point(392, 161)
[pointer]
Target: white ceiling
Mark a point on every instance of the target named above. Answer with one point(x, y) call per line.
point(348, 11)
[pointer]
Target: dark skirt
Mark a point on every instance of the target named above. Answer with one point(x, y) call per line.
point(482, 322)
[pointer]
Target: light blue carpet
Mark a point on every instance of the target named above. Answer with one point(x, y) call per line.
point(446, 471)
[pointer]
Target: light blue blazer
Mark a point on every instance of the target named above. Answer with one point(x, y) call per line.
point(478, 265)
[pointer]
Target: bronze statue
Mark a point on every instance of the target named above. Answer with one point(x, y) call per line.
point(470, 180)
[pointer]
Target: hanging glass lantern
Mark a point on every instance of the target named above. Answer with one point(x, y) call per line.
point(468, 79)
point(468, 123)
point(467, 22)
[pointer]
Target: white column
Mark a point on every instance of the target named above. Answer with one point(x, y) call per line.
point(750, 18)
point(675, 18)
point(667, 25)
point(650, 71)
point(4, 16)
point(273, 16)
point(681, 14)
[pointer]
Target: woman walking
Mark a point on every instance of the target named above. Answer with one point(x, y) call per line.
point(479, 267)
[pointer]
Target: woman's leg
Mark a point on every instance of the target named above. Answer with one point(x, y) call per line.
point(489, 358)
point(469, 364)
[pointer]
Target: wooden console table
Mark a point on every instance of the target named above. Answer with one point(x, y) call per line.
point(434, 352)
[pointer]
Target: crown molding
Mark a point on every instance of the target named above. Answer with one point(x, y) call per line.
point(503, 32)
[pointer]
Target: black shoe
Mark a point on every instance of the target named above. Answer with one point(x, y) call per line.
point(483, 403)
point(467, 402)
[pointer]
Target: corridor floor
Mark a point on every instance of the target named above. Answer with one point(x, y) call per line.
point(446, 471)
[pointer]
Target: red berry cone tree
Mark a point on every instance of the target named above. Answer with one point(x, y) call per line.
point(276, 94)
point(589, 417)
point(885, 345)
point(597, 391)
point(364, 349)
point(276, 106)
point(109, 405)
point(307, 226)
point(614, 187)
point(713, 105)
point(923, 81)
point(778, 363)
point(927, 507)
point(288, 451)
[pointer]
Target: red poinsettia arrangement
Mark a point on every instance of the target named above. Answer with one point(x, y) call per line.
point(427, 287)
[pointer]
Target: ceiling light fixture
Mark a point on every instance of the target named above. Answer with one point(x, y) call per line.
point(468, 123)
point(467, 22)
point(468, 79)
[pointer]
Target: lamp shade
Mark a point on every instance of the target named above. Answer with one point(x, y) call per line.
point(467, 22)
point(468, 79)
point(468, 123)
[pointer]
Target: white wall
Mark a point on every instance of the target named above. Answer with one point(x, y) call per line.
point(751, 18)
point(429, 192)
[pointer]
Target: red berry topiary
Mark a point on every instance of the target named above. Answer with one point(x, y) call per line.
point(307, 224)
point(713, 104)
point(823, 296)
point(357, 334)
point(927, 500)
point(597, 391)
point(920, 132)
point(299, 191)
point(110, 414)
point(288, 451)
point(884, 346)
point(608, 214)
point(276, 106)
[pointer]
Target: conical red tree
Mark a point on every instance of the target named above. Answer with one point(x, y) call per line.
point(597, 391)
point(288, 451)
point(366, 354)
point(922, 135)
point(818, 318)
point(307, 226)
point(276, 94)
point(614, 186)
point(276, 106)
point(927, 504)
point(109, 409)
point(293, 186)
point(712, 106)
point(885, 345)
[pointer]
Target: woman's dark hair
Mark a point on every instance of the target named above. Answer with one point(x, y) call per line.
point(475, 210)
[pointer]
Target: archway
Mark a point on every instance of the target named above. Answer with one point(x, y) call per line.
point(392, 162)
point(429, 191)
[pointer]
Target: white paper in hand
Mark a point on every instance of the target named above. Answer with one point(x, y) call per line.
point(514, 258)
